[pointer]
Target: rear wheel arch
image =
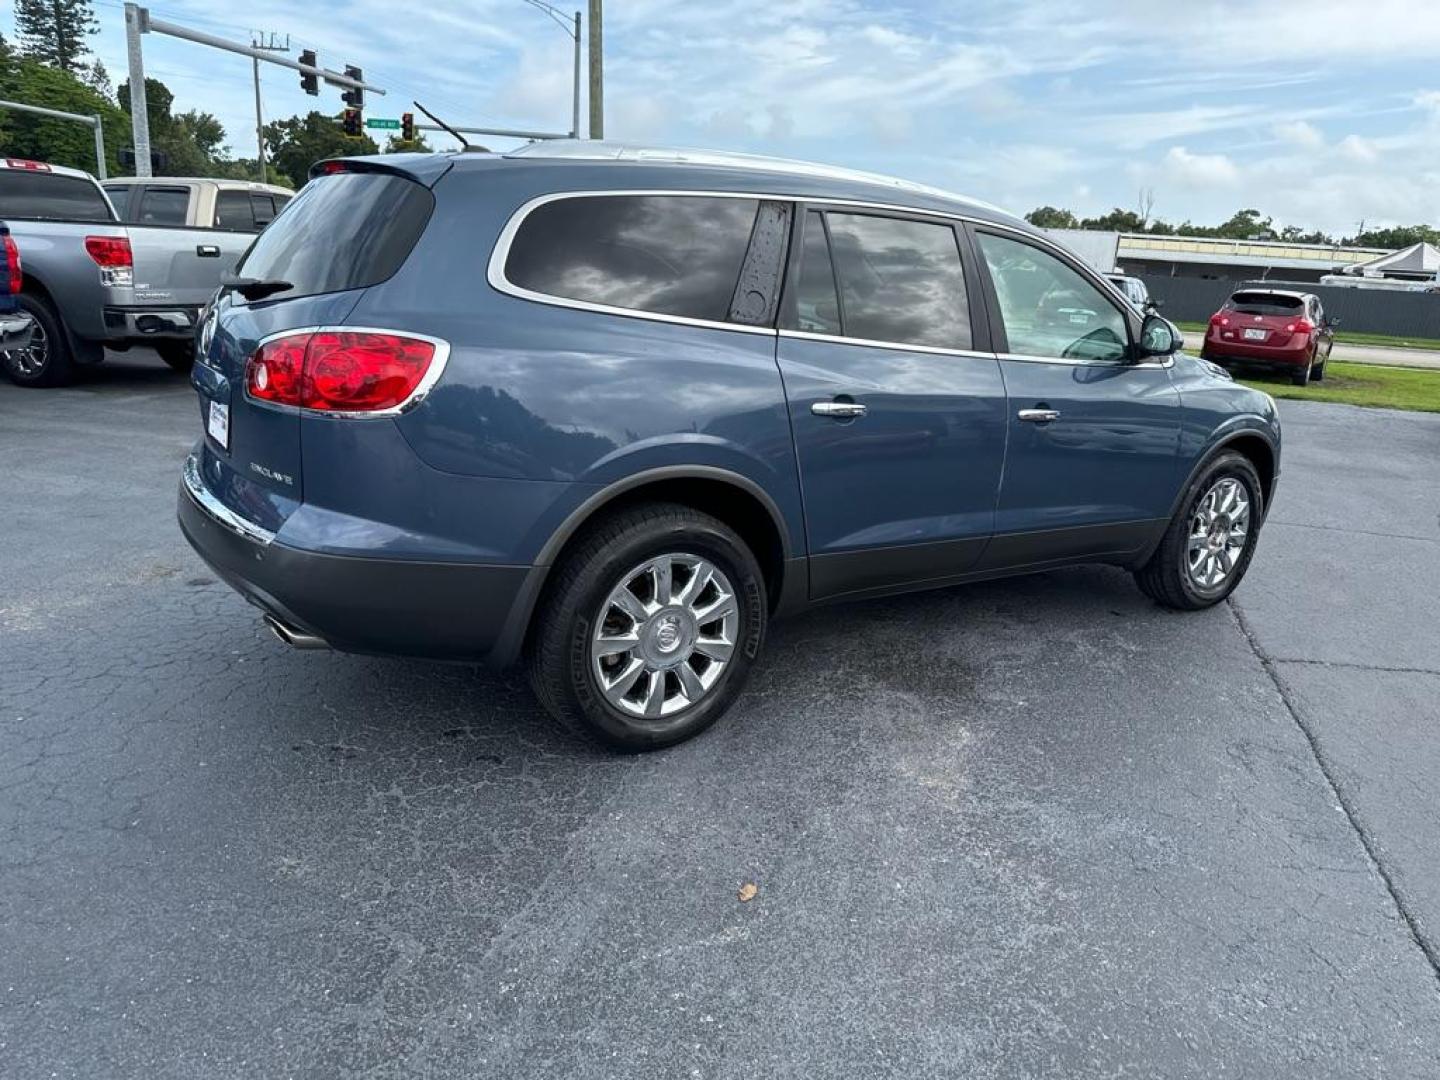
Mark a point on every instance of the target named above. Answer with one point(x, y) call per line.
point(731, 498)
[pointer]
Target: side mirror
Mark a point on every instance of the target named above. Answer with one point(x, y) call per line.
point(1331, 321)
point(1154, 305)
point(1158, 337)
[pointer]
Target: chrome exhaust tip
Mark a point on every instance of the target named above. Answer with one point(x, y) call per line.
point(296, 639)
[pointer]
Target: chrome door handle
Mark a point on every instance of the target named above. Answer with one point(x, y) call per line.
point(838, 410)
point(1039, 416)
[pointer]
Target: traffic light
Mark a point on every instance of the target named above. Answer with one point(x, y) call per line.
point(354, 98)
point(350, 123)
point(407, 127)
point(309, 83)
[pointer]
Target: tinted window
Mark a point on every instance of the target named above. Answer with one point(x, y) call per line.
point(1048, 308)
point(120, 199)
point(900, 281)
point(163, 206)
point(232, 211)
point(345, 231)
point(25, 194)
point(817, 309)
point(1264, 304)
point(263, 207)
point(670, 254)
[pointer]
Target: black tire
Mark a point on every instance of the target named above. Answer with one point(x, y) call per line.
point(1301, 377)
point(1166, 577)
point(180, 355)
point(1319, 373)
point(55, 365)
point(559, 649)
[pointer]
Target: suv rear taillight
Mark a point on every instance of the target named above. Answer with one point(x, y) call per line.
point(12, 265)
point(112, 254)
point(344, 372)
point(1299, 326)
point(1219, 319)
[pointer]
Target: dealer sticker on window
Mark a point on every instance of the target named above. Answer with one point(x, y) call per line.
point(218, 424)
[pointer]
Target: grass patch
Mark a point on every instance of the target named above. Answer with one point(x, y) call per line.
point(1358, 384)
point(1345, 337)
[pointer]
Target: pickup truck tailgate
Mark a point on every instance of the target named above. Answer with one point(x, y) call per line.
point(182, 266)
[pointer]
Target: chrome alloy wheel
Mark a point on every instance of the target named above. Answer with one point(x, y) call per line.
point(664, 635)
point(1218, 530)
point(30, 361)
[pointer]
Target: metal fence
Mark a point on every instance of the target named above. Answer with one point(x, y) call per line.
point(1367, 311)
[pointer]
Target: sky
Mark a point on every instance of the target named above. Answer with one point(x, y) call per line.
point(1318, 113)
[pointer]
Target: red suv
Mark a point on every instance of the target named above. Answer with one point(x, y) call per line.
point(1272, 328)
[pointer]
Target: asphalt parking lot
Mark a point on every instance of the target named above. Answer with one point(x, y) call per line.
point(1030, 828)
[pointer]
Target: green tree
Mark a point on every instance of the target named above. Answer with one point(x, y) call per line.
point(1116, 220)
point(293, 145)
point(1050, 217)
point(54, 31)
point(417, 145)
point(193, 142)
point(1400, 236)
point(59, 142)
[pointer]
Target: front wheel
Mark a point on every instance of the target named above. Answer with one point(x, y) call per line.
point(648, 630)
point(1208, 545)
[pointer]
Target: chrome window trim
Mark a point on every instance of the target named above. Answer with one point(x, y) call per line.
point(495, 269)
point(223, 515)
point(899, 346)
point(419, 394)
point(495, 272)
point(1154, 362)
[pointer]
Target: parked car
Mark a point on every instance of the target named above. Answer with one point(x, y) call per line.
point(234, 205)
point(15, 325)
point(1136, 291)
point(611, 411)
point(91, 283)
point(1274, 329)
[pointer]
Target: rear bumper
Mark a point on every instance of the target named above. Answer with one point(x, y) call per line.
point(447, 611)
point(15, 330)
point(176, 323)
point(1219, 351)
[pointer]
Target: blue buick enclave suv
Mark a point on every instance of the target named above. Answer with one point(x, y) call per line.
point(611, 410)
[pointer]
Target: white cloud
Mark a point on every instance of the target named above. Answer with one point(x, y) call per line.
point(1358, 149)
point(1200, 170)
point(1300, 133)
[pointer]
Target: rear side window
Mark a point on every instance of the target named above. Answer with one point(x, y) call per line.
point(263, 207)
point(666, 254)
point(163, 206)
point(348, 230)
point(1264, 304)
point(25, 194)
point(120, 199)
point(232, 211)
point(900, 281)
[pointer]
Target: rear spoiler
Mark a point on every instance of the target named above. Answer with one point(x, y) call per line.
point(424, 169)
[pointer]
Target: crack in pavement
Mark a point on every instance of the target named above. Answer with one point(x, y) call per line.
point(1432, 955)
point(1354, 532)
point(1350, 664)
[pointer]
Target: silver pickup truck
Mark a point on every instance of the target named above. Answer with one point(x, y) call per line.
point(93, 283)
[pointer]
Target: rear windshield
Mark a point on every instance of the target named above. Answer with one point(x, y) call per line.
point(26, 194)
point(344, 231)
point(1251, 303)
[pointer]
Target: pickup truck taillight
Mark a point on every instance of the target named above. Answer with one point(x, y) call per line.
point(12, 265)
point(112, 254)
point(343, 372)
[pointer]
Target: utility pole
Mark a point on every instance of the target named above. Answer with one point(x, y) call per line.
point(597, 72)
point(266, 46)
point(137, 21)
point(575, 104)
